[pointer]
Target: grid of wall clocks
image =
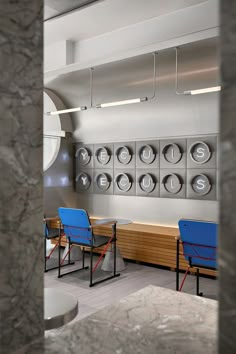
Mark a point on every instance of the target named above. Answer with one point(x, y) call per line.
point(161, 168)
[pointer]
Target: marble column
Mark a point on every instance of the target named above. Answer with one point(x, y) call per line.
point(21, 121)
point(227, 256)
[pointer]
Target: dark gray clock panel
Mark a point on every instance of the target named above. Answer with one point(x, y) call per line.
point(166, 168)
point(202, 152)
point(173, 153)
point(124, 155)
point(147, 182)
point(103, 181)
point(172, 183)
point(124, 182)
point(147, 154)
point(84, 181)
point(84, 156)
point(201, 184)
point(103, 156)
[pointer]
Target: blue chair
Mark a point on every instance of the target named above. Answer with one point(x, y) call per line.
point(199, 241)
point(49, 234)
point(79, 231)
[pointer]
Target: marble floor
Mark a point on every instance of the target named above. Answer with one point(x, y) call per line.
point(132, 279)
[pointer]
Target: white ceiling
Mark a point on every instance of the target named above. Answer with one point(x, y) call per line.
point(107, 16)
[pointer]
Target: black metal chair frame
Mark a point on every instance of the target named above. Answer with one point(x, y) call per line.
point(110, 240)
point(56, 236)
point(179, 288)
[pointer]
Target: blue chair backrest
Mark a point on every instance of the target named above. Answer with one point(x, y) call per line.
point(76, 225)
point(45, 228)
point(199, 242)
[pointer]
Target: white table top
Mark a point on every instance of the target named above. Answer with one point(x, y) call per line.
point(118, 221)
point(59, 308)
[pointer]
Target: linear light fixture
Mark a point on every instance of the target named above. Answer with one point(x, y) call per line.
point(204, 90)
point(67, 110)
point(57, 134)
point(191, 92)
point(134, 100)
point(121, 103)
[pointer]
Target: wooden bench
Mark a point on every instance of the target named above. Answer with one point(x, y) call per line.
point(146, 243)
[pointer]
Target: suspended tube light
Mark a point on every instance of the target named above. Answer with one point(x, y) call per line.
point(67, 110)
point(134, 100)
point(191, 92)
point(115, 103)
point(204, 90)
point(121, 103)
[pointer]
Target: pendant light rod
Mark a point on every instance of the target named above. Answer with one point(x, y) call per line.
point(154, 77)
point(135, 100)
point(91, 86)
point(190, 92)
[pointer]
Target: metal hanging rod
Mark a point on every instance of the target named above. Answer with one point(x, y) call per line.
point(190, 92)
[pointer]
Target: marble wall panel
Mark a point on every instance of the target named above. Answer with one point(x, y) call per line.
point(227, 256)
point(21, 242)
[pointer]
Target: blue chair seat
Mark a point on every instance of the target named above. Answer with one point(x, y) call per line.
point(99, 241)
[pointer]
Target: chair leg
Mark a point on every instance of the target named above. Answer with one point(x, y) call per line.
point(83, 257)
point(114, 248)
point(177, 266)
point(197, 284)
point(69, 253)
point(91, 267)
point(59, 257)
point(45, 254)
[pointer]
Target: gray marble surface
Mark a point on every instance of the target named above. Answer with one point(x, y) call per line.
point(227, 258)
point(152, 320)
point(21, 243)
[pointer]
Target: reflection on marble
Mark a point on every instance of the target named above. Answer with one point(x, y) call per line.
point(152, 320)
point(227, 257)
point(21, 244)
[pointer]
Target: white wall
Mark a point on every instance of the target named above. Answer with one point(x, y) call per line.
point(169, 115)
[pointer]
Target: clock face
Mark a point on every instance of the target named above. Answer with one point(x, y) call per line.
point(83, 155)
point(147, 183)
point(103, 156)
point(201, 184)
point(200, 152)
point(172, 183)
point(103, 182)
point(123, 155)
point(123, 182)
point(147, 154)
point(83, 181)
point(172, 153)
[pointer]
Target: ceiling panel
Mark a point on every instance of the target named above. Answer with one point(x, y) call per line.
point(54, 8)
point(105, 16)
